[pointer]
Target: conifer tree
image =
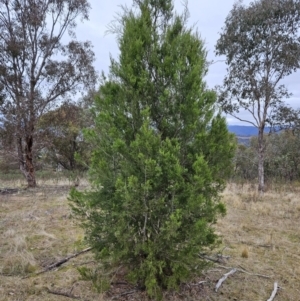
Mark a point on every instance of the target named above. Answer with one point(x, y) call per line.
point(162, 153)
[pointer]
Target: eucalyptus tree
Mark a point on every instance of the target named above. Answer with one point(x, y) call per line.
point(39, 66)
point(285, 118)
point(261, 43)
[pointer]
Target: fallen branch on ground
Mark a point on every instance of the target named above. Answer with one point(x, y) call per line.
point(200, 282)
point(210, 258)
point(8, 191)
point(243, 271)
point(219, 258)
point(62, 261)
point(124, 294)
point(274, 292)
point(223, 256)
point(224, 278)
point(63, 294)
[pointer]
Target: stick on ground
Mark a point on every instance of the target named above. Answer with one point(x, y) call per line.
point(224, 278)
point(243, 271)
point(62, 294)
point(62, 261)
point(274, 292)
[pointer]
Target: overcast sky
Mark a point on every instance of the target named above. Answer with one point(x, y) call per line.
point(208, 17)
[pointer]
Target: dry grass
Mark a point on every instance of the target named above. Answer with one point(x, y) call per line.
point(36, 230)
point(261, 236)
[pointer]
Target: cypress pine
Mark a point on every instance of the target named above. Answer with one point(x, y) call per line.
point(162, 153)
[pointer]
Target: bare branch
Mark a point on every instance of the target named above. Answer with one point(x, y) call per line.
point(225, 276)
point(274, 292)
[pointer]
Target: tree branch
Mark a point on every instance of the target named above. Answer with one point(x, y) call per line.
point(62, 261)
point(274, 292)
point(221, 280)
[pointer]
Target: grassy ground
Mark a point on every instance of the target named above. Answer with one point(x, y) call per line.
point(261, 236)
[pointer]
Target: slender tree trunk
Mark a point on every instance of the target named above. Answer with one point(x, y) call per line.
point(30, 176)
point(26, 164)
point(261, 160)
point(72, 156)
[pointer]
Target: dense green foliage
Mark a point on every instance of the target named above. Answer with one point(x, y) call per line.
point(162, 153)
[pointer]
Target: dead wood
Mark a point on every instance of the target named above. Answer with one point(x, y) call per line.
point(63, 294)
point(221, 280)
point(198, 283)
point(218, 259)
point(124, 294)
point(274, 292)
point(220, 255)
point(8, 191)
point(243, 271)
point(62, 261)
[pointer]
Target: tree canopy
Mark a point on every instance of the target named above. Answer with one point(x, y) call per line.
point(61, 133)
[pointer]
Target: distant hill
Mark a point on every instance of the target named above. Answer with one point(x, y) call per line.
point(245, 131)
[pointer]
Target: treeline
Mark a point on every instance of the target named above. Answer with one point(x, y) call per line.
point(60, 135)
point(282, 158)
